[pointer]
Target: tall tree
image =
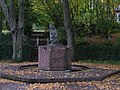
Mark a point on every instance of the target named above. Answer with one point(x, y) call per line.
point(16, 24)
point(49, 11)
point(0, 22)
point(68, 26)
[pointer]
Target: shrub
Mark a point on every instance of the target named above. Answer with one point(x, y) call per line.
point(6, 48)
point(97, 52)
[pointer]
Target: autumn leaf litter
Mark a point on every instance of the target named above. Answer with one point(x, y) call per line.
point(111, 83)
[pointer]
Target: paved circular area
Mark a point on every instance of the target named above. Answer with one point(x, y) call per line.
point(31, 74)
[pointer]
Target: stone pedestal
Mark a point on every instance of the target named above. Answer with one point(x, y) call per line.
point(54, 57)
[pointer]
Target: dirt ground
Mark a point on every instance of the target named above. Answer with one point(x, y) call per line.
point(114, 39)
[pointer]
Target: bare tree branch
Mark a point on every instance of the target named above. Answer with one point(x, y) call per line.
point(12, 13)
point(9, 13)
point(21, 14)
point(5, 9)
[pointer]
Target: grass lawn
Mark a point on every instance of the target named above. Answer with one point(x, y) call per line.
point(111, 83)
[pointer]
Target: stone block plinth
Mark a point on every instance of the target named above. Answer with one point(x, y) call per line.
point(54, 57)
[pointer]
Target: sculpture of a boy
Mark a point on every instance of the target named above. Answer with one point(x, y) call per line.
point(53, 34)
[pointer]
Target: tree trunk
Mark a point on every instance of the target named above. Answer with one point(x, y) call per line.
point(14, 38)
point(16, 25)
point(68, 26)
point(17, 45)
point(0, 22)
point(18, 34)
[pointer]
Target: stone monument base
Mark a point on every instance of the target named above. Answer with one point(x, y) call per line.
point(54, 57)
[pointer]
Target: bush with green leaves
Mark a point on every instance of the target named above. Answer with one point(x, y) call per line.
point(6, 48)
point(97, 52)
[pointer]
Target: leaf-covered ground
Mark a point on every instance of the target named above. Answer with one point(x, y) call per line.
point(111, 83)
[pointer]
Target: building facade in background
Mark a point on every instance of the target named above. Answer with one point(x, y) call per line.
point(117, 13)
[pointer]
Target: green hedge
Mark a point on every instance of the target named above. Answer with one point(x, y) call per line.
point(6, 48)
point(97, 52)
point(6, 52)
